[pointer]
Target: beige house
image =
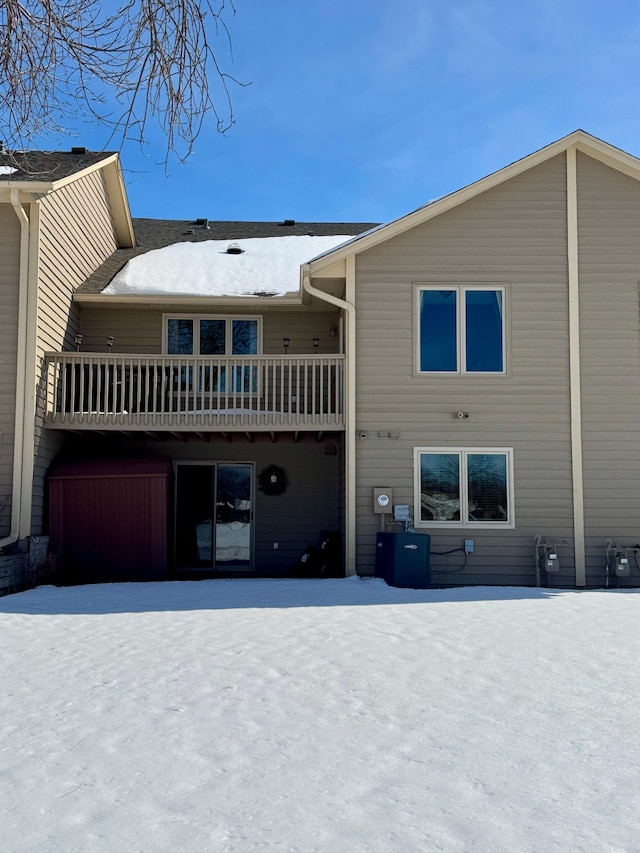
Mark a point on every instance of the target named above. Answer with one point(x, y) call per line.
point(478, 358)
point(61, 216)
point(182, 427)
point(497, 370)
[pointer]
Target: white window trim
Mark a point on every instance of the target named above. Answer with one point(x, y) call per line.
point(228, 318)
point(463, 452)
point(461, 342)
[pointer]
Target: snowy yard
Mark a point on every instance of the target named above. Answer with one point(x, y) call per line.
point(334, 715)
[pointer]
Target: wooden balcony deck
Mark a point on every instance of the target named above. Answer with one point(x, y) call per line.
point(87, 391)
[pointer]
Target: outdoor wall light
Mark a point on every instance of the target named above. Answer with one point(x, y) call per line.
point(285, 344)
point(333, 332)
point(110, 340)
point(316, 343)
point(78, 342)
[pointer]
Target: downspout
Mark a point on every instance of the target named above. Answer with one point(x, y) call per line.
point(21, 356)
point(31, 374)
point(350, 400)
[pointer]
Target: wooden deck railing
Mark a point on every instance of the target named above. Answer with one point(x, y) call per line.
point(86, 390)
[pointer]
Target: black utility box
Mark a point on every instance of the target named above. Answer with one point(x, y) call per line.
point(403, 559)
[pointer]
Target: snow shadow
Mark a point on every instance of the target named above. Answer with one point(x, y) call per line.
point(232, 594)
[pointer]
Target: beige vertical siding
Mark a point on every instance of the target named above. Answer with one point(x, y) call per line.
point(76, 236)
point(609, 258)
point(514, 234)
point(139, 330)
point(9, 281)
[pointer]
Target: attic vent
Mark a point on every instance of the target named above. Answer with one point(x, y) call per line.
point(289, 222)
point(234, 249)
point(79, 150)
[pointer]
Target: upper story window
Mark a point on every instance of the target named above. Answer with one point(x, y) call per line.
point(212, 335)
point(461, 329)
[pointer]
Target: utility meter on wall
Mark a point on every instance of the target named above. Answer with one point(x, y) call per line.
point(382, 501)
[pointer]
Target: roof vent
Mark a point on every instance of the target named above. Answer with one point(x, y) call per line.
point(79, 150)
point(203, 223)
point(234, 249)
point(289, 222)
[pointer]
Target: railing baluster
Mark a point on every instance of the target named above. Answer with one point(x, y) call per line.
point(285, 371)
point(63, 403)
point(315, 366)
point(80, 380)
point(242, 391)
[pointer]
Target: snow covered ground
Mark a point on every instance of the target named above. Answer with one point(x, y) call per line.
point(333, 715)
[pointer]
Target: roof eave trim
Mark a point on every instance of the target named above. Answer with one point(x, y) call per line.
point(183, 299)
point(29, 187)
point(120, 211)
point(94, 167)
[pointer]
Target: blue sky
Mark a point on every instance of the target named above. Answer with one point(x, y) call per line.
point(362, 110)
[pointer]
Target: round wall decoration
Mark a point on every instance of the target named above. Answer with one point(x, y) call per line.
point(273, 480)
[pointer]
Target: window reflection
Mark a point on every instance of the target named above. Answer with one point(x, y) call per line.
point(439, 486)
point(484, 331)
point(180, 337)
point(438, 348)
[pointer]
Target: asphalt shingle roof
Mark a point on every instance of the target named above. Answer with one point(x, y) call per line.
point(157, 233)
point(47, 166)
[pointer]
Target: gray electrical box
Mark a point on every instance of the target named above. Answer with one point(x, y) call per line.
point(383, 500)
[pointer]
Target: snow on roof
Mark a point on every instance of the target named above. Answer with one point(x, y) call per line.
point(7, 170)
point(267, 266)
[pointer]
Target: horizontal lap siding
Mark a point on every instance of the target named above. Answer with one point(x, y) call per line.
point(609, 265)
point(514, 234)
point(135, 330)
point(9, 281)
point(139, 330)
point(76, 236)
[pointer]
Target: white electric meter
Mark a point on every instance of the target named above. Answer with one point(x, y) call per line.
point(382, 498)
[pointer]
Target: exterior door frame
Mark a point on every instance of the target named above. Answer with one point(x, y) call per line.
point(214, 463)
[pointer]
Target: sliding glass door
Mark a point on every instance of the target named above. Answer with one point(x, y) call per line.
point(214, 511)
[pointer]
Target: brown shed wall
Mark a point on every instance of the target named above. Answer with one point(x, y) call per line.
point(108, 519)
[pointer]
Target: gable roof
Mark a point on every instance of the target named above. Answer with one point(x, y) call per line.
point(32, 172)
point(159, 233)
point(580, 139)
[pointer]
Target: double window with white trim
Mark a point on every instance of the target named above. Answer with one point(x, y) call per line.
point(210, 335)
point(470, 487)
point(220, 337)
point(460, 329)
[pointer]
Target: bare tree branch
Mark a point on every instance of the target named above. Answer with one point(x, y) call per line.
point(147, 61)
